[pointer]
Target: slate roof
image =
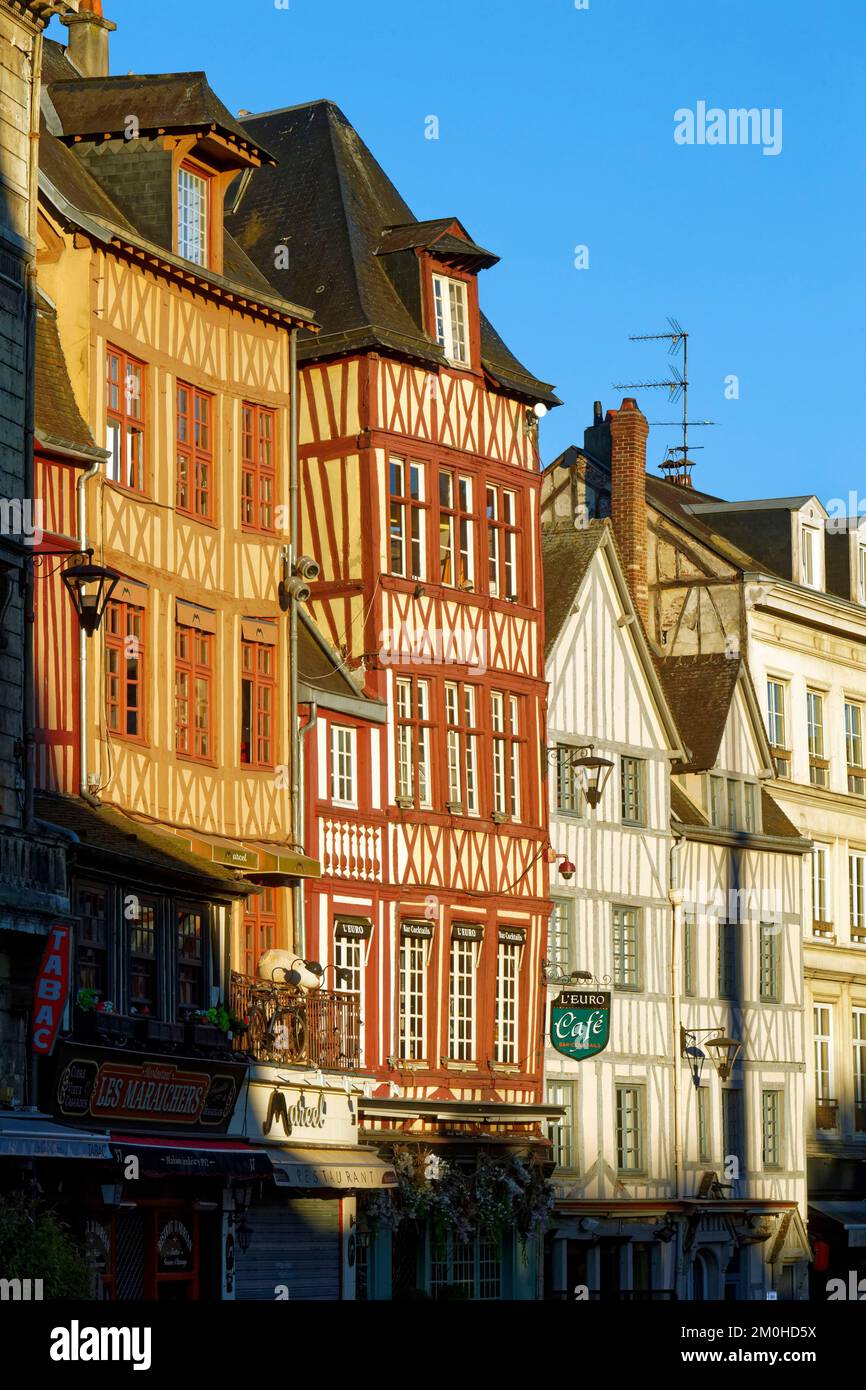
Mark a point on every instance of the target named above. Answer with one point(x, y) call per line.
point(683, 809)
point(333, 206)
point(109, 840)
point(59, 423)
point(566, 555)
point(179, 102)
point(699, 690)
point(436, 235)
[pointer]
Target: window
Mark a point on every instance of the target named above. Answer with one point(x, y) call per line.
point(771, 1128)
point(822, 1028)
point(818, 764)
point(502, 576)
point(559, 932)
point(820, 896)
point(462, 747)
point(632, 790)
point(413, 993)
point(258, 698)
point(192, 215)
point(702, 1097)
point(750, 808)
point(507, 972)
point(125, 417)
point(733, 802)
point(124, 669)
point(717, 811)
point(857, 896)
point(258, 467)
point(143, 962)
point(861, 573)
point(629, 1129)
point(191, 946)
point(689, 961)
point(626, 948)
point(507, 742)
point(413, 741)
point(260, 927)
point(343, 763)
point(91, 940)
point(408, 519)
point(456, 530)
point(568, 793)
point(193, 678)
point(470, 1269)
point(349, 953)
point(777, 727)
point(810, 567)
point(194, 451)
point(452, 320)
point(461, 1032)
point(854, 748)
point(858, 1033)
point(563, 1135)
point(728, 959)
point(768, 982)
point(732, 1125)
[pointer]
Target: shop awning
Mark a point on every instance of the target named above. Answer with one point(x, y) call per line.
point(32, 1136)
point(850, 1215)
point(164, 1157)
point(336, 1168)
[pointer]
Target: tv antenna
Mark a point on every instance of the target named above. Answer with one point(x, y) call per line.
point(676, 465)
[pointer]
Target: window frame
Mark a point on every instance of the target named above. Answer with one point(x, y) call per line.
point(821, 885)
point(194, 670)
point(194, 454)
point(770, 963)
point(125, 420)
point(413, 742)
point(408, 518)
point(443, 289)
point(777, 726)
point(728, 959)
point(622, 1131)
point(627, 800)
point(463, 740)
point(857, 895)
point(460, 527)
point(413, 985)
point(196, 173)
point(560, 1090)
point(504, 541)
point(349, 756)
point(462, 1042)
point(556, 956)
point(619, 948)
point(772, 1129)
point(260, 928)
point(116, 642)
point(854, 744)
point(506, 1036)
point(256, 473)
point(508, 757)
point(261, 683)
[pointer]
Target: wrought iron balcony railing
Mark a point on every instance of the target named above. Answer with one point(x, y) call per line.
point(288, 1026)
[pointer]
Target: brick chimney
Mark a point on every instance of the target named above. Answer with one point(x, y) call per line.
point(88, 38)
point(628, 436)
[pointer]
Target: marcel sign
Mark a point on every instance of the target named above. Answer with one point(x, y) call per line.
point(580, 1023)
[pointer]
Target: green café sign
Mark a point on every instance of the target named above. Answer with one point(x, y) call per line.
point(580, 1023)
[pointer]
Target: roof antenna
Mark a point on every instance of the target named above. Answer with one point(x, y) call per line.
point(676, 465)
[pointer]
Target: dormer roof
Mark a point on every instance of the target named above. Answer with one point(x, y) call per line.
point(446, 239)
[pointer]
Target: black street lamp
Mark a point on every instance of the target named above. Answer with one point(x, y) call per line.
point(724, 1051)
point(589, 770)
point(90, 587)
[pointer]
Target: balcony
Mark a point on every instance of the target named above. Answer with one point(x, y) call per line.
point(349, 849)
point(826, 1114)
point(291, 1028)
point(148, 1033)
point(33, 872)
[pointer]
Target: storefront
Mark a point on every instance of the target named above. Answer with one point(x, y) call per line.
point(296, 1237)
point(153, 1214)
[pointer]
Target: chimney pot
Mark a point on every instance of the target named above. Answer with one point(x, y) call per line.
point(88, 38)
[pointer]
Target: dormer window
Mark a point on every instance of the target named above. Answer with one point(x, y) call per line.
point(193, 215)
point(452, 318)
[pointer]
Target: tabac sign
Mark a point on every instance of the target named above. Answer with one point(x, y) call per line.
point(580, 1023)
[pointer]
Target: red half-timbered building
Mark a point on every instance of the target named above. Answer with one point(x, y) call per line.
point(420, 500)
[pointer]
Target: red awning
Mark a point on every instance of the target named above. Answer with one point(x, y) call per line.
point(161, 1156)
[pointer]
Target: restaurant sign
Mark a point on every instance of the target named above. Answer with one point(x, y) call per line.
point(98, 1084)
point(580, 1023)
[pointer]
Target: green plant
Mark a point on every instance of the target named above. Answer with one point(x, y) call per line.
point(36, 1244)
point(87, 999)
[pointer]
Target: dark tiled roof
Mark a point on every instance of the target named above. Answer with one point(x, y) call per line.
point(59, 422)
point(683, 809)
point(56, 64)
point(176, 101)
point(699, 690)
point(332, 205)
point(110, 841)
point(436, 236)
point(70, 178)
point(566, 556)
point(775, 821)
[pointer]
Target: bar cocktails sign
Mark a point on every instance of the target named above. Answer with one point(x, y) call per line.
point(580, 1023)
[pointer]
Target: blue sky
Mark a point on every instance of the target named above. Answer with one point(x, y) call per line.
point(556, 130)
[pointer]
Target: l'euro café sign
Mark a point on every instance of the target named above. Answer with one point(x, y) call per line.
point(580, 1023)
point(52, 989)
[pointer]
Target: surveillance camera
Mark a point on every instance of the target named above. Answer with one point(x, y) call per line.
point(293, 589)
point(306, 567)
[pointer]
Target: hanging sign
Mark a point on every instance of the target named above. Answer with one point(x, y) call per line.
point(580, 1023)
point(512, 936)
point(423, 930)
point(467, 931)
point(360, 927)
point(52, 989)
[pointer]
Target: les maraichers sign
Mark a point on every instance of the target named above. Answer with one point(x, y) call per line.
point(580, 1023)
point(93, 1084)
